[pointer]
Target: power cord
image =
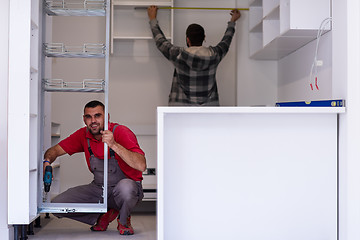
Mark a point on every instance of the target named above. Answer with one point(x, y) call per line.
point(313, 81)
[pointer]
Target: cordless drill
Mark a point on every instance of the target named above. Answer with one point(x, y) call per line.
point(47, 178)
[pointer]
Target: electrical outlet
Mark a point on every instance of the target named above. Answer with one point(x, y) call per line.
point(150, 171)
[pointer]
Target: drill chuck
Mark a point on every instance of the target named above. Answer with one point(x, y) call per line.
point(47, 178)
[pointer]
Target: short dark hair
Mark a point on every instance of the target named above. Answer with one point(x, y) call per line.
point(196, 34)
point(94, 104)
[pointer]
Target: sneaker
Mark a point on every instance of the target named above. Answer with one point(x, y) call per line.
point(125, 229)
point(104, 220)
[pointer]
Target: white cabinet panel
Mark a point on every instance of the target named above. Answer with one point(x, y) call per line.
point(247, 173)
point(284, 18)
point(23, 118)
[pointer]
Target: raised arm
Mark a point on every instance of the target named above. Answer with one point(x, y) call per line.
point(164, 45)
point(223, 46)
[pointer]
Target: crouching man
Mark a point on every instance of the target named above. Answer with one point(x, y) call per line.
point(125, 166)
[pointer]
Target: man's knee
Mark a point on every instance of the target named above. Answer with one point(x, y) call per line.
point(126, 189)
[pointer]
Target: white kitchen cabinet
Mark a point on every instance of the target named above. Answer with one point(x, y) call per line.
point(280, 27)
point(24, 111)
point(129, 20)
point(247, 173)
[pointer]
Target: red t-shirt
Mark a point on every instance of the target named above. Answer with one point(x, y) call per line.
point(77, 142)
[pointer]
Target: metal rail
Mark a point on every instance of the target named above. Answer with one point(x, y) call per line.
point(75, 8)
point(87, 50)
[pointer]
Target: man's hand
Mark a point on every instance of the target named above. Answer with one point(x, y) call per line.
point(108, 138)
point(235, 15)
point(133, 159)
point(45, 163)
point(152, 12)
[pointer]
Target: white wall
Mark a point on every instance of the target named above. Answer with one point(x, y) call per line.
point(294, 72)
point(340, 45)
point(4, 65)
point(256, 80)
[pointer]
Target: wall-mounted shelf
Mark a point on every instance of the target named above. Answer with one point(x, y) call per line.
point(276, 29)
point(129, 20)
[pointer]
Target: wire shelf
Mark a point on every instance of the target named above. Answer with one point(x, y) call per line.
point(75, 8)
point(87, 85)
point(88, 50)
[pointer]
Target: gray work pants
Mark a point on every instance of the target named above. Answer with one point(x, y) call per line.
point(123, 193)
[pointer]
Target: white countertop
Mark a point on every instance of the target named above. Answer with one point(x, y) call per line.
point(251, 110)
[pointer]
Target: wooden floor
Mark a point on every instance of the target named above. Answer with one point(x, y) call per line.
point(64, 229)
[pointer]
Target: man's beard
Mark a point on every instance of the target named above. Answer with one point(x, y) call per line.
point(94, 132)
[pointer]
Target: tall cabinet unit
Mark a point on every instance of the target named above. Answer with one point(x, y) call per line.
point(79, 8)
point(279, 27)
point(24, 111)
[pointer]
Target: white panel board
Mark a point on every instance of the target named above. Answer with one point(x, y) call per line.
point(247, 176)
point(19, 112)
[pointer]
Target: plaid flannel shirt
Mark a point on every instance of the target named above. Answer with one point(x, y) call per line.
point(194, 80)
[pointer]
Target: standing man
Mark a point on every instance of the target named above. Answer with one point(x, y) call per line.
point(194, 80)
point(125, 166)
